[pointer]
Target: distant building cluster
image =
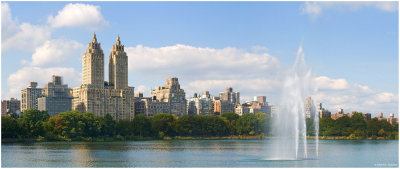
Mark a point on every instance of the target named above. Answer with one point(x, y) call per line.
point(324, 113)
point(115, 97)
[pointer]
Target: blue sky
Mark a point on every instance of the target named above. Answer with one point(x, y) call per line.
point(352, 48)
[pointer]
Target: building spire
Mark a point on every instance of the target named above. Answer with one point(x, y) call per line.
point(118, 41)
point(94, 39)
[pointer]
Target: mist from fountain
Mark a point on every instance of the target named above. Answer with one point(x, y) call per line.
point(289, 121)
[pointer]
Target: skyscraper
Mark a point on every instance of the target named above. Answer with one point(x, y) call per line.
point(99, 97)
point(118, 66)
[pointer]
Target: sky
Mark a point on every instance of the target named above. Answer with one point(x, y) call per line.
point(351, 47)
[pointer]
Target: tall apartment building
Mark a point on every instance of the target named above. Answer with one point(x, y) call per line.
point(172, 94)
point(244, 108)
point(56, 97)
point(221, 107)
point(202, 105)
point(29, 96)
point(309, 107)
point(10, 106)
point(229, 95)
point(98, 96)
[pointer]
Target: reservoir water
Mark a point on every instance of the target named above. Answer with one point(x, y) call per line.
point(196, 153)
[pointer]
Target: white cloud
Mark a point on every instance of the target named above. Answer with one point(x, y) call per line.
point(324, 82)
point(386, 6)
point(20, 36)
point(315, 9)
point(79, 15)
point(311, 8)
point(56, 51)
point(8, 24)
point(385, 97)
point(20, 79)
point(199, 63)
point(146, 90)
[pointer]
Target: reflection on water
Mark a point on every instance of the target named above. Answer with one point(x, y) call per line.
point(196, 153)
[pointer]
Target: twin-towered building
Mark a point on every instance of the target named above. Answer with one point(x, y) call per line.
point(98, 96)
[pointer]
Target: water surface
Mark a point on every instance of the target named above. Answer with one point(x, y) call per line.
point(196, 153)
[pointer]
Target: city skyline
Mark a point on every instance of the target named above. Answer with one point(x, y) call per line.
point(253, 66)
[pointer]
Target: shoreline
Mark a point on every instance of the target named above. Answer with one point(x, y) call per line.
point(112, 139)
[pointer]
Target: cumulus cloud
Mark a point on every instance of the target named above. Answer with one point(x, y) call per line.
point(385, 97)
point(20, 79)
point(315, 9)
point(199, 63)
point(56, 51)
point(323, 82)
point(311, 8)
point(22, 36)
point(79, 15)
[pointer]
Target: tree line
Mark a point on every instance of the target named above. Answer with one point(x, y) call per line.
point(354, 127)
point(74, 125)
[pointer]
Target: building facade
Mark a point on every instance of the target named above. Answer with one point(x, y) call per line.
point(221, 107)
point(10, 106)
point(309, 107)
point(172, 94)
point(56, 97)
point(99, 97)
point(29, 96)
point(202, 105)
point(229, 95)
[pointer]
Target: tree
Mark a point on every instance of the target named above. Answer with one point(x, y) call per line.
point(246, 124)
point(74, 124)
point(232, 118)
point(262, 123)
point(141, 126)
point(9, 127)
point(107, 125)
point(213, 126)
point(55, 126)
point(32, 122)
point(124, 128)
point(189, 125)
point(163, 124)
point(92, 126)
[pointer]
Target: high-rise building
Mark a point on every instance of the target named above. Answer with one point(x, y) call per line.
point(221, 107)
point(56, 97)
point(229, 95)
point(309, 107)
point(118, 67)
point(10, 106)
point(242, 109)
point(172, 94)
point(29, 96)
point(99, 97)
point(202, 105)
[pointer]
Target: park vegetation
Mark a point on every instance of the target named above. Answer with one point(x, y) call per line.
point(76, 126)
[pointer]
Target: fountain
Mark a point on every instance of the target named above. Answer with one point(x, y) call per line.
point(289, 124)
